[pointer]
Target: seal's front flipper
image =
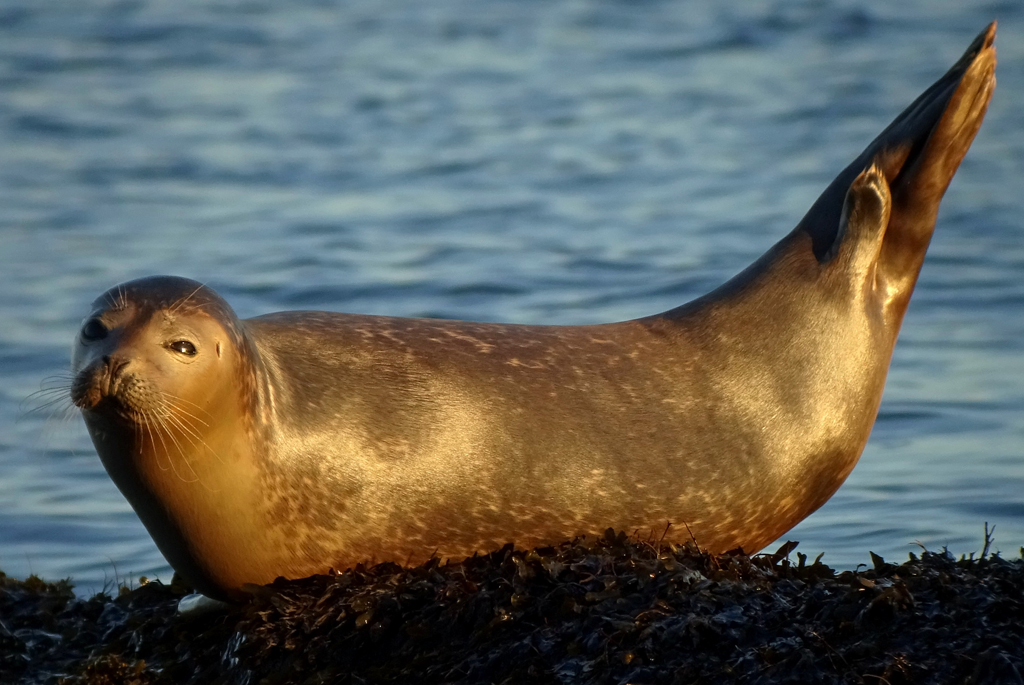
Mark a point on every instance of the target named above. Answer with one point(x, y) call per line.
point(919, 152)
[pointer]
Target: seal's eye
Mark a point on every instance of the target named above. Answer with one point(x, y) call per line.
point(93, 330)
point(183, 347)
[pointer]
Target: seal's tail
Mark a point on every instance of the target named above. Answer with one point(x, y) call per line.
point(918, 154)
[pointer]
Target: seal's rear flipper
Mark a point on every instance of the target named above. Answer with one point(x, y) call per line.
point(919, 153)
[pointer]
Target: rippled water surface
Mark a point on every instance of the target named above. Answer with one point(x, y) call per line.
point(535, 162)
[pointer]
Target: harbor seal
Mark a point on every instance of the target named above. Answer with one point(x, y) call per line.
point(296, 442)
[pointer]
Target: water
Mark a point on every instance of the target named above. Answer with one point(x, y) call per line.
point(559, 162)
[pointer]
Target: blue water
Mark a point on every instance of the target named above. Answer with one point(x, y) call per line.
point(534, 162)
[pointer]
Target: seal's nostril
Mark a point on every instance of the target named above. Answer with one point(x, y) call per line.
point(114, 366)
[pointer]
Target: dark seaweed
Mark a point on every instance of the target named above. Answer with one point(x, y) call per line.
point(608, 610)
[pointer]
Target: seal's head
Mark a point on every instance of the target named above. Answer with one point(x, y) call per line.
point(149, 349)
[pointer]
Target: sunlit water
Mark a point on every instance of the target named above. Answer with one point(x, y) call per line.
point(556, 162)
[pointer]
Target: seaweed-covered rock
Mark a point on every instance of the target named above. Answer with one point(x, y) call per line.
point(608, 610)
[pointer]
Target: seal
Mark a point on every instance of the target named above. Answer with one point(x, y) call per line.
point(296, 442)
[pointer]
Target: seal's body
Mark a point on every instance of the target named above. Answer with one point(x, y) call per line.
point(299, 441)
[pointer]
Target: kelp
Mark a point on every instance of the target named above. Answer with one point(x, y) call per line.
point(612, 609)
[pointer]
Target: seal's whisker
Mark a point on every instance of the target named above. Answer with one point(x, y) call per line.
point(200, 306)
point(62, 377)
point(56, 390)
point(60, 409)
point(174, 308)
point(184, 457)
point(63, 389)
point(141, 420)
point(118, 300)
point(59, 413)
point(186, 401)
point(44, 406)
point(184, 421)
point(60, 416)
point(194, 438)
point(163, 418)
point(157, 428)
point(187, 432)
point(186, 424)
point(52, 398)
point(174, 402)
point(69, 413)
point(161, 431)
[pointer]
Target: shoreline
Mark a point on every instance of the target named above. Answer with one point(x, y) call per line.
point(596, 610)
